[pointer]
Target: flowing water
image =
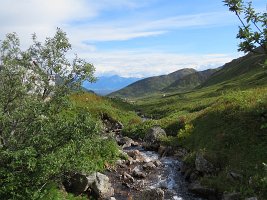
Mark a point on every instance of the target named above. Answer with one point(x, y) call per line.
point(167, 177)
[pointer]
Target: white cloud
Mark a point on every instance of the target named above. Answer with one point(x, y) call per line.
point(129, 29)
point(79, 19)
point(143, 64)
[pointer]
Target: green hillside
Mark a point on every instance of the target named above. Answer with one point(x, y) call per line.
point(242, 72)
point(225, 119)
point(151, 85)
point(190, 81)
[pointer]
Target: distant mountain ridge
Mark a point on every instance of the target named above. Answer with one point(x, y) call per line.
point(152, 84)
point(190, 81)
point(107, 84)
point(180, 80)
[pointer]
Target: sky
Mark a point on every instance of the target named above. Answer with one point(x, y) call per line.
point(132, 38)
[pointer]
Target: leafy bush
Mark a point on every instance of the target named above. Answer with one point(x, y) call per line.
point(138, 130)
point(42, 134)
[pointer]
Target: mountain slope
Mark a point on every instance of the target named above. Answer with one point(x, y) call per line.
point(190, 81)
point(152, 85)
point(225, 120)
point(245, 71)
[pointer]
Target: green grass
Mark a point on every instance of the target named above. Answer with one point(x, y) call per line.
point(98, 106)
point(225, 118)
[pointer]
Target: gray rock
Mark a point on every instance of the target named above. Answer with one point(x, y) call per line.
point(149, 166)
point(157, 163)
point(201, 190)
point(125, 142)
point(203, 165)
point(91, 179)
point(151, 146)
point(102, 186)
point(154, 134)
point(152, 194)
point(235, 176)
point(79, 183)
point(127, 177)
point(136, 155)
point(231, 196)
point(136, 172)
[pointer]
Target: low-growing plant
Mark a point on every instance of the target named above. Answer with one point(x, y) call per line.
point(138, 131)
point(186, 131)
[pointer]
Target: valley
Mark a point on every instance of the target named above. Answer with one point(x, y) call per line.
point(89, 128)
point(223, 118)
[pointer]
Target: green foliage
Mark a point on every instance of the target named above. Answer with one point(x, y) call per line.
point(138, 130)
point(99, 106)
point(184, 133)
point(253, 31)
point(223, 118)
point(52, 192)
point(43, 135)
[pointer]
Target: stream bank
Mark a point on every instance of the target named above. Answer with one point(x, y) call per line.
point(147, 175)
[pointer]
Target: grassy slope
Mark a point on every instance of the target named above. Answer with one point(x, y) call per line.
point(226, 119)
point(190, 81)
point(98, 106)
point(151, 85)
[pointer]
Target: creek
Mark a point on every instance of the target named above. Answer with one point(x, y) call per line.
point(166, 177)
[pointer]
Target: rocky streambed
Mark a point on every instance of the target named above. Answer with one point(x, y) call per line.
point(148, 176)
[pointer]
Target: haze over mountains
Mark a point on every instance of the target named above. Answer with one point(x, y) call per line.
point(107, 84)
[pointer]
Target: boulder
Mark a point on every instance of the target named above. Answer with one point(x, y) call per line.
point(127, 177)
point(136, 155)
point(201, 190)
point(79, 183)
point(136, 172)
point(125, 142)
point(203, 165)
point(152, 137)
point(157, 163)
point(102, 187)
point(231, 196)
point(154, 134)
point(152, 194)
point(149, 166)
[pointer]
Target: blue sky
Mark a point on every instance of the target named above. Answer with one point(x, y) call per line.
point(132, 38)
